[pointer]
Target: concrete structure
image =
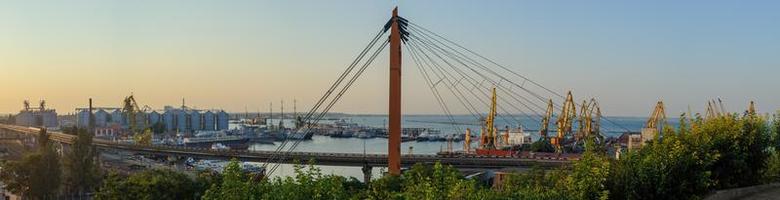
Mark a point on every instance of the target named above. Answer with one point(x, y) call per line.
point(169, 118)
point(47, 118)
point(222, 120)
point(117, 117)
point(101, 118)
point(183, 120)
point(154, 117)
point(195, 120)
point(209, 121)
point(635, 141)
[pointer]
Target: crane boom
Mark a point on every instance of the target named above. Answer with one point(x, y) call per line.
point(568, 113)
point(546, 120)
point(652, 129)
point(489, 134)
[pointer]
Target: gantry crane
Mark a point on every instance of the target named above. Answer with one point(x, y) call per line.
point(652, 129)
point(564, 123)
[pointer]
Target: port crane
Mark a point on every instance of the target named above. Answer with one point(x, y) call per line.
point(590, 121)
point(488, 138)
point(652, 129)
point(545, 127)
point(564, 122)
point(132, 110)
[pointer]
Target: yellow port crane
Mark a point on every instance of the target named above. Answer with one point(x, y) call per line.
point(543, 131)
point(131, 109)
point(589, 125)
point(467, 141)
point(488, 138)
point(564, 123)
point(715, 109)
point(652, 129)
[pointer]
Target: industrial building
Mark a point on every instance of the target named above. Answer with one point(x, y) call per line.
point(184, 120)
point(39, 117)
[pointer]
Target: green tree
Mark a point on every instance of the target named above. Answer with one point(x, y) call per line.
point(542, 145)
point(310, 183)
point(676, 167)
point(82, 172)
point(772, 173)
point(149, 184)
point(588, 177)
point(37, 175)
point(234, 185)
point(144, 138)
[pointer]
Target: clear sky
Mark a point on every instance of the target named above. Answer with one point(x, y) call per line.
point(237, 54)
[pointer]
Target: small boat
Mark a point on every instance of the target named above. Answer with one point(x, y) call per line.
point(365, 135)
point(219, 146)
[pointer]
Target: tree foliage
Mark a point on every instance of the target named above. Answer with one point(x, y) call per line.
point(82, 172)
point(150, 184)
point(688, 162)
point(144, 138)
point(542, 145)
point(37, 175)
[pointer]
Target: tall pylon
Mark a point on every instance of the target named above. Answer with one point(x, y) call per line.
point(394, 107)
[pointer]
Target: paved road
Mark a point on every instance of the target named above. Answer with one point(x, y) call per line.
point(773, 193)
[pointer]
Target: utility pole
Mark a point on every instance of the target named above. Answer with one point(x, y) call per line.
point(281, 118)
point(91, 123)
point(394, 112)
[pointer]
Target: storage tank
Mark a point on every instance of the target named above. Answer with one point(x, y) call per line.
point(209, 121)
point(101, 118)
point(222, 120)
point(169, 118)
point(195, 120)
point(25, 118)
point(82, 119)
point(154, 117)
point(49, 118)
point(118, 117)
point(182, 121)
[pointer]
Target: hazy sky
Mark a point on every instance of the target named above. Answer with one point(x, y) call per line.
point(237, 54)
